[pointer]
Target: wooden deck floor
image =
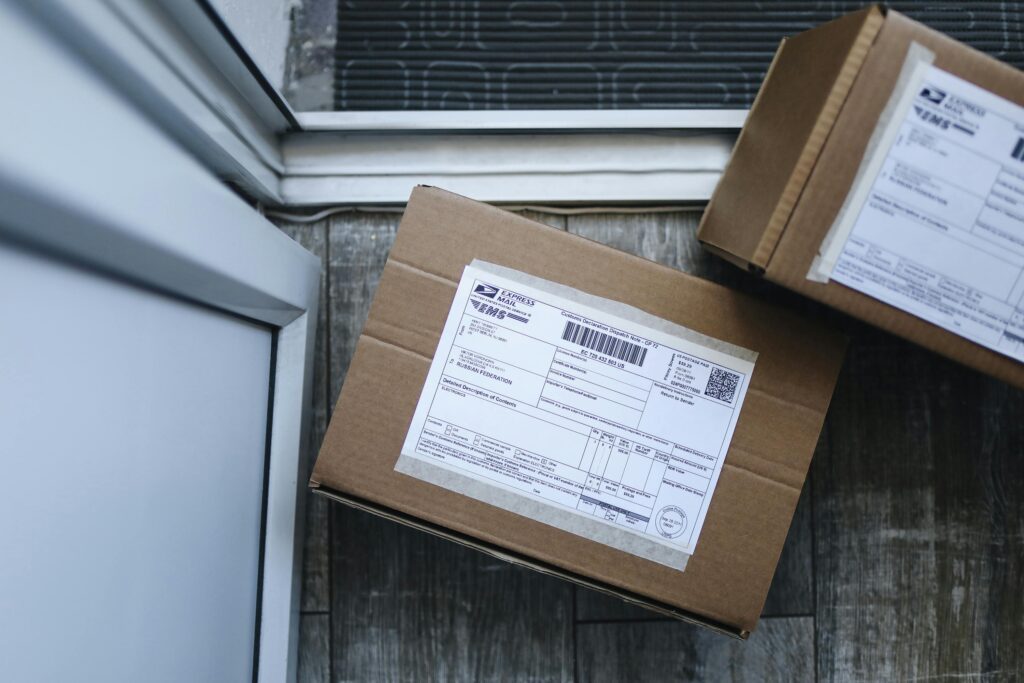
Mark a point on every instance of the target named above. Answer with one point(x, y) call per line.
point(905, 560)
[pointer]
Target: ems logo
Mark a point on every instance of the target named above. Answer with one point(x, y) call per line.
point(488, 309)
point(933, 95)
point(486, 290)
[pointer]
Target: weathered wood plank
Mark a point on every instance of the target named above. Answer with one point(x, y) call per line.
point(358, 246)
point(314, 664)
point(593, 606)
point(792, 589)
point(919, 520)
point(781, 649)
point(670, 239)
point(316, 555)
point(552, 219)
point(410, 606)
point(406, 605)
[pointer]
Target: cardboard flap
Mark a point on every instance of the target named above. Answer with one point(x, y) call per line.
point(789, 122)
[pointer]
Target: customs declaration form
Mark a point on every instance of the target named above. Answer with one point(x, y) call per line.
point(578, 412)
point(935, 223)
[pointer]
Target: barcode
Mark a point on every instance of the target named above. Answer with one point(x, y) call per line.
point(604, 343)
point(1018, 150)
point(722, 385)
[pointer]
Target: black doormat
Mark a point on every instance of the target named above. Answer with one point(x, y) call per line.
point(600, 54)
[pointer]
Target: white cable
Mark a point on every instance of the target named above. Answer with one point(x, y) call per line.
point(557, 210)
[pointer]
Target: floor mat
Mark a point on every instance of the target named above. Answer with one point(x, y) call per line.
point(600, 54)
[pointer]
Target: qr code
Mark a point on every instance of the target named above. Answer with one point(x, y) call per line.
point(722, 385)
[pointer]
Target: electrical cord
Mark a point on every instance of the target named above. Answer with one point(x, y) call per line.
point(557, 210)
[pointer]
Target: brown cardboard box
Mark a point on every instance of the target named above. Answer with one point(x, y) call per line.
point(797, 157)
point(726, 580)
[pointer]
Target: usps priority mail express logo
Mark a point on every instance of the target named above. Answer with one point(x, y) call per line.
point(932, 94)
point(671, 521)
point(490, 291)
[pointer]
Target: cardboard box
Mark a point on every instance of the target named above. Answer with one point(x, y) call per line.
point(802, 148)
point(726, 581)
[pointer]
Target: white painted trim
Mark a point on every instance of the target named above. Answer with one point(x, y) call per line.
point(87, 177)
point(172, 62)
point(543, 157)
point(262, 28)
point(242, 69)
point(534, 120)
point(151, 52)
point(665, 167)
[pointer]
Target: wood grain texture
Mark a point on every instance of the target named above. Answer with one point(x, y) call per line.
point(406, 605)
point(792, 589)
point(412, 607)
point(919, 520)
point(358, 246)
point(912, 527)
point(782, 649)
point(314, 664)
point(552, 219)
point(668, 238)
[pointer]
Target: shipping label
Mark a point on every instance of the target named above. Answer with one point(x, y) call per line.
point(939, 229)
point(570, 410)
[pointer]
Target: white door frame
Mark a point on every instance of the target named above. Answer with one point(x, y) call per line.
point(179, 63)
point(84, 176)
point(539, 120)
point(113, 85)
point(174, 63)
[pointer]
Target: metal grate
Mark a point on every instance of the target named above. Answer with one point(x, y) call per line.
point(600, 54)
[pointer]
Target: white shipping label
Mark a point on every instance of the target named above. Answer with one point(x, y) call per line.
point(578, 412)
point(940, 229)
